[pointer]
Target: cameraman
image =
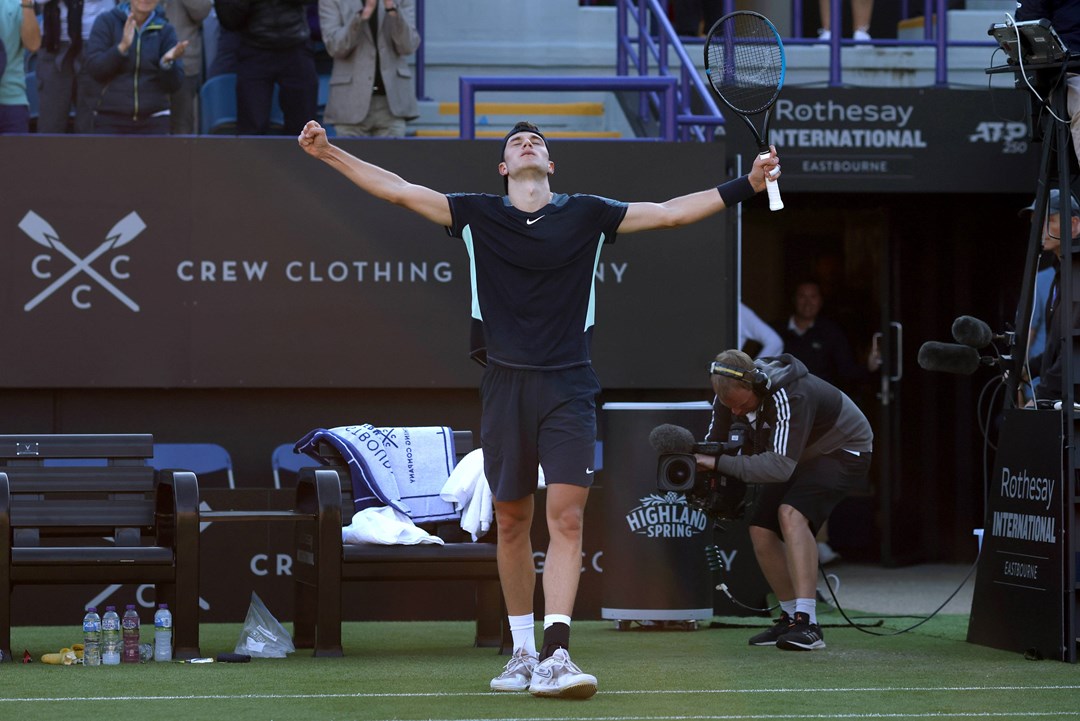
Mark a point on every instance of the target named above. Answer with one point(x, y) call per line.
point(808, 445)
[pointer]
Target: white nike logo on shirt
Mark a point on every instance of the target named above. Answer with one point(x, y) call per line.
point(530, 222)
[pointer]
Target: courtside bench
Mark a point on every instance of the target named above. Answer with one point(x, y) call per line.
point(323, 563)
point(79, 522)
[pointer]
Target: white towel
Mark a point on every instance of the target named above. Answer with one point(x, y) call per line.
point(422, 460)
point(467, 488)
point(387, 526)
point(399, 467)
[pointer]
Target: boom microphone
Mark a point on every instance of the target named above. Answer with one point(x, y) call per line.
point(668, 438)
point(971, 332)
point(949, 358)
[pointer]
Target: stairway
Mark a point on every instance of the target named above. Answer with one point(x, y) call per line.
point(586, 119)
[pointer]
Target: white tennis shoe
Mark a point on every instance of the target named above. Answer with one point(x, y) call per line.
point(517, 674)
point(559, 677)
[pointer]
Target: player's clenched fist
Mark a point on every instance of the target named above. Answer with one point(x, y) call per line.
point(313, 139)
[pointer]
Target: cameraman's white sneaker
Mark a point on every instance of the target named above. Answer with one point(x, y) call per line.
point(559, 677)
point(517, 674)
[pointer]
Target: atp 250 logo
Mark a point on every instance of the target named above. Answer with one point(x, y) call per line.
point(82, 269)
point(1011, 135)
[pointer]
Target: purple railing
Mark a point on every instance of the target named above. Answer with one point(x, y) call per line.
point(653, 42)
point(930, 8)
point(695, 115)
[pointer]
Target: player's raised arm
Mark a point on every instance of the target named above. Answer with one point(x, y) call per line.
point(377, 181)
point(691, 208)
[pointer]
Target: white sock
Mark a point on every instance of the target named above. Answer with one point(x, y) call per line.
point(551, 618)
point(788, 607)
point(807, 606)
point(523, 629)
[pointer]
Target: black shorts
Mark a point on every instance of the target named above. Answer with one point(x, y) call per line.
point(537, 418)
point(813, 490)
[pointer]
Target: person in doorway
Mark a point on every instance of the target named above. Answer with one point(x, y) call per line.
point(820, 342)
point(533, 257)
point(809, 446)
point(822, 345)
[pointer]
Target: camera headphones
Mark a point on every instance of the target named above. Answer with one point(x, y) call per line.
point(756, 378)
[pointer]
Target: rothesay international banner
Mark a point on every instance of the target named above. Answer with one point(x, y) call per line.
point(1021, 580)
point(901, 140)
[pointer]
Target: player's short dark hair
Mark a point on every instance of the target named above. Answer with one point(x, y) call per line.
point(522, 126)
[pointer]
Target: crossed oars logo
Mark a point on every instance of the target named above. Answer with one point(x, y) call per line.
point(120, 235)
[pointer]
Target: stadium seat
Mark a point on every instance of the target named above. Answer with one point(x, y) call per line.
point(287, 465)
point(209, 461)
point(217, 107)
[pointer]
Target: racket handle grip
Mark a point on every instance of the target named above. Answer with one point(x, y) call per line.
point(773, 188)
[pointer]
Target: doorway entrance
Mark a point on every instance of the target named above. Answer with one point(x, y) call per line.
point(901, 268)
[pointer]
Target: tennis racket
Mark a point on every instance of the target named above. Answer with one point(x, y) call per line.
point(745, 64)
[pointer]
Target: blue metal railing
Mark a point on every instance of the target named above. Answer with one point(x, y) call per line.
point(931, 37)
point(656, 47)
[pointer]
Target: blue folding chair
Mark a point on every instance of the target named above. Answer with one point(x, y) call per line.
point(287, 465)
point(217, 106)
point(209, 461)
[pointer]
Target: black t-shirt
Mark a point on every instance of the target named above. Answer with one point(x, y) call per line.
point(533, 274)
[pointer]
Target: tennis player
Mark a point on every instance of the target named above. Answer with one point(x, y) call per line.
point(533, 256)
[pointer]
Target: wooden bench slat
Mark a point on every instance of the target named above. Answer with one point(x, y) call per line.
point(81, 555)
point(101, 513)
point(102, 479)
point(250, 516)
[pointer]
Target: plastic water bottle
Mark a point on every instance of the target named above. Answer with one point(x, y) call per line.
point(163, 633)
point(130, 625)
point(91, 626)
point(110, 637)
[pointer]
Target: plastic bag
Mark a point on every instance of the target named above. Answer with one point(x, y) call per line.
point(263, 636)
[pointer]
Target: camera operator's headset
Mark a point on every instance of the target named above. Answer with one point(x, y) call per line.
point(754, 377)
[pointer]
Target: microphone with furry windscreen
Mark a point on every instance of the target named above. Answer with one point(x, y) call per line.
point(668, 438)
point(715, 494)
point(951, 358)
point(973, 332)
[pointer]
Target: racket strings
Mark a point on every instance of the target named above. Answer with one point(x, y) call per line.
point(744, 64)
